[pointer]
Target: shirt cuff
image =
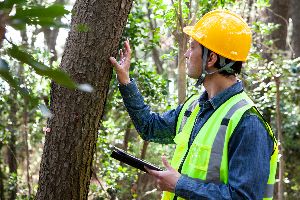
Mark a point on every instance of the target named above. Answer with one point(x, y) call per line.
point(185, 185)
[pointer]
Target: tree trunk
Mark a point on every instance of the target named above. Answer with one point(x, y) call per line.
point(295, 14)
point(182, 40)
point(144, 149)
point(50, 35)
point(278, 14)
point(68, 152)
point(182, 43)
point(11, 147)
point(50, 39)
point(2, 177)
point(143, 180)
point(127, 136)
point(280, 190)
point(155, 52)
point(26, 140)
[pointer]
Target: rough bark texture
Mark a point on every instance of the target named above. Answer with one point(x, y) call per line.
point(68, 152)
point(295, 14)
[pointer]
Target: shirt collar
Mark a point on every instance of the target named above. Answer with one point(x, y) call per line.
point(223, 96)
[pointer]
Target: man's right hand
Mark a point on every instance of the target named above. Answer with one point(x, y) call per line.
point(122, 67)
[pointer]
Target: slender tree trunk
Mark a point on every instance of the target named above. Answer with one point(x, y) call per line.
point(127, 136)
point(278, 14)
point(50, 38)
point(182, 40)
point(144, 149)
point(295, 14)
point(50, 35)
point(280, 138)
point(26, 139)
point(155, 52)
point(2, 177)
point(11, 147)
point(141, 184)
point(69, 147)
point(182, 68)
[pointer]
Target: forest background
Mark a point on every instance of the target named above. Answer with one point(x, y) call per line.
point(41, 74)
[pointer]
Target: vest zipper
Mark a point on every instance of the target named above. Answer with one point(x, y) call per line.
point(189, 145)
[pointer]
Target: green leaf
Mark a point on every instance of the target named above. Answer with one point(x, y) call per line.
point(8, 4)
point(53, 11)
point(5, 74)
point(38, 15)
point(20, 23)
point(57, 75)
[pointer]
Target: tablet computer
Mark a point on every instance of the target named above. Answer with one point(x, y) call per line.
point(131, 160)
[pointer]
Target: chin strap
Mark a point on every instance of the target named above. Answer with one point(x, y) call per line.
point(224, 67)
point(203, 71)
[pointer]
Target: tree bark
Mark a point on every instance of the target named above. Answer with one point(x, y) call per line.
point(295, 14)
point(182, 43)
point(69, 147)
point(281, 170)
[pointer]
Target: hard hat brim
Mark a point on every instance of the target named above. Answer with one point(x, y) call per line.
point(189, 30)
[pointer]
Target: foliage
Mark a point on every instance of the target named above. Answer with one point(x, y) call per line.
point(19, 14)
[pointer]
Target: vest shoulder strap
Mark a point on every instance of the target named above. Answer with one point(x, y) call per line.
point(186, 111)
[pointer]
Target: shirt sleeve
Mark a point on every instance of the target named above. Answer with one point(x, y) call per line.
point(151, 126)
point(250, 149)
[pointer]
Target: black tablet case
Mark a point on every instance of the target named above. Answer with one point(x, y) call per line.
point(131, 160)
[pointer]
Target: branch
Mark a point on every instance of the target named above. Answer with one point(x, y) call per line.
point(180, 16)
point(287, 25)
point(193, 20)
point(176, 12)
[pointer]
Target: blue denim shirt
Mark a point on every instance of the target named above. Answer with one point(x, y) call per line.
point(249, 152)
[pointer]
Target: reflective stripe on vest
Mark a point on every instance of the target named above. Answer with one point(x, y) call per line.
point(213, 171)
point(207, 158)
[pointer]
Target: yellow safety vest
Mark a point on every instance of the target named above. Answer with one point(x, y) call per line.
point(207, 158)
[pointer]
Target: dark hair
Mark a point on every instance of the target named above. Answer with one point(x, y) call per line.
point(237, 66)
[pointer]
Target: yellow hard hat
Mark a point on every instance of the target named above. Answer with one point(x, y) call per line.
point(224, 33)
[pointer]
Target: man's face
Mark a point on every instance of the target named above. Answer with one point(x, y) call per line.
point(194, 59)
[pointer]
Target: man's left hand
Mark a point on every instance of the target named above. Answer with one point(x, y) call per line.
point(166, 180)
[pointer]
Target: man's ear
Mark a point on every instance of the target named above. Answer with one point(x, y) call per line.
point(212, 59)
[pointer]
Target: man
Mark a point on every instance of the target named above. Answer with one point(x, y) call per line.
point(224, 148)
